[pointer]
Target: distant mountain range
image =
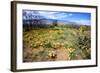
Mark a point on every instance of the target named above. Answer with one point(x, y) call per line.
point(50, 21)
point(63, 22)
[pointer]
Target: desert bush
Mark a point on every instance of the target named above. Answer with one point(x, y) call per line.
point(76, 41)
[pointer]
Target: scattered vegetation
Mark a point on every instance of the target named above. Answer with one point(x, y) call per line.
point(41, 44)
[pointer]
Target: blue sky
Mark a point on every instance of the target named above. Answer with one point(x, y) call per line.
point(77, 17)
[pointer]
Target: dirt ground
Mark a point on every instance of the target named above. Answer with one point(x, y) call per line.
point(62, 54)
point(41, 54)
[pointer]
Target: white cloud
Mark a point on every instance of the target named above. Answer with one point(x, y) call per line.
point(70, 14)
point(47, 13)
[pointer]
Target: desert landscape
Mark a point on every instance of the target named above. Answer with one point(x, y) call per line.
point(46, 38)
